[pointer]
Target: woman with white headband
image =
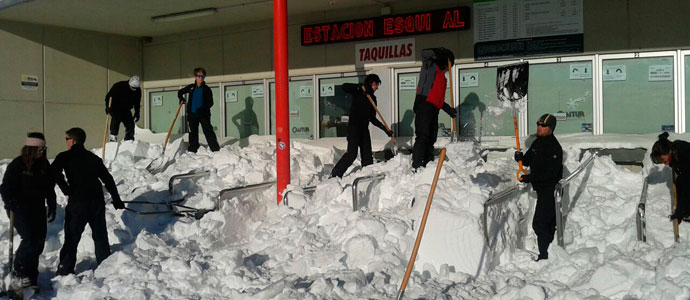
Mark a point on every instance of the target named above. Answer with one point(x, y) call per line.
point(26, 188)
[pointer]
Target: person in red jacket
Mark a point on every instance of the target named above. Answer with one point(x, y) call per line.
point(430, 98)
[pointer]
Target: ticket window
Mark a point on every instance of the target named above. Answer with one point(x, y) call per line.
point(638, 94)
point(564, 90)
point(407, 89)
point(244, 110)
point(301, 108)
point(334, 105)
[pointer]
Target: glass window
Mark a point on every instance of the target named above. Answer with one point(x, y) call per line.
point(481, 113)
point(407, 90)
point(163, 106)
point(244, 110)
point(334, 105)
point(638, 95)
point(564, 90)
point(301, 107)
point(215, 110)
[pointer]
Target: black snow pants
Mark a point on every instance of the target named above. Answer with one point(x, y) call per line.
point(426, 129)
point(194, 120)
point(31, 226)
point(126, 118)
point(357, 137)
point(76, 218)
point(544, 221)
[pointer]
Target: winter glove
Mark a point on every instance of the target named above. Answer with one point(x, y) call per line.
point(389, 133)
point(450, 111)
point(526, 178)
point(181, 100)
point(118, 204)
point(10, 204)
point(107, 110)
point(678, 215)
point(518, 155)
point(136, 116)
point(51, 214)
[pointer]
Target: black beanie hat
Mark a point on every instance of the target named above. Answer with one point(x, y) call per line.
point(548, 120)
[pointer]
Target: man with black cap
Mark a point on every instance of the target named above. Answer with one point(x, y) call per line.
point(361, 114)
point(545, 159)
point(430, 98)
point(125, 95)
point(85, 171)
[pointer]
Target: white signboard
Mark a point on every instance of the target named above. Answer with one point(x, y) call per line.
point(305, 91)
point(408, 82)
point(469, 79)
point(327, 90)
point(580, 71)
point(231, 96)
point(384, 52)
point(517, 19)
point(258, 91)
point(157, 100)
point(660, 73)
point(29, 82)
point(614, 73)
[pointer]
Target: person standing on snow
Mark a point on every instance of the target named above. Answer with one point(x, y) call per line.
point(545, 159)
point(27, 187)
point(675, 154)
point(199, 111)
point(361, 114)
point(430, 98)
point(85, 204)
point(126, 95)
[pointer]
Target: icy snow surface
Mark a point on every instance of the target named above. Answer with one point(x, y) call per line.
point(318, 248)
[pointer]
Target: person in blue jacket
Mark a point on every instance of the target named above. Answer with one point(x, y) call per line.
point(199, 102)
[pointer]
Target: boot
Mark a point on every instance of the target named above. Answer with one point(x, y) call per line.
point(543, 250)
point(112, 138)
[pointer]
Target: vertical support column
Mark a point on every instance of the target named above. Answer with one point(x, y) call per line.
point(281, 73)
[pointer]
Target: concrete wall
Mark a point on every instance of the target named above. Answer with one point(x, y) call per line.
point(610, 26)
point(75, 69)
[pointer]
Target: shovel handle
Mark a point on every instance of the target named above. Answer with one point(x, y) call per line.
point(521, 169)
point(364, 89)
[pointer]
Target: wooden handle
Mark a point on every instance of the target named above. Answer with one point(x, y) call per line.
point(452, 95)
point(107, 122)
point(378, 112)
point(165, 144)
point(521, 169)
point(422, 224)
point(11, 233)
point(676, 233)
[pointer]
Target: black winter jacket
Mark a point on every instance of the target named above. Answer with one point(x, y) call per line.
point(361, 111)
point(124, 98)
point(680, 163)
point(205, 109)
point(83, 170)
point(28, 189)
point(545, 159)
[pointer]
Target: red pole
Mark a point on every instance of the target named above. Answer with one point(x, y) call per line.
point(281, 70)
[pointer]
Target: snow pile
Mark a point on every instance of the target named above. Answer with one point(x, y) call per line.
point(319, 248)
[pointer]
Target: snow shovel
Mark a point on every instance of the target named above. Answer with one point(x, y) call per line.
point(454, 133)
point(676, 233)
point(167, 137)
point(395, 146)
point(105, 133)
point(14, 289)
point(511, 85)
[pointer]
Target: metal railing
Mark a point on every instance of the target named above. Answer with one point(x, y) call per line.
point(190, 174)
point(640, 216)
point(494, 199)
point(241, 189)
point(558, 194)
point(355, 184)
point(306, 190)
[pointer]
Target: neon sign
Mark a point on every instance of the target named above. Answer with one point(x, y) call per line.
point(436, 21)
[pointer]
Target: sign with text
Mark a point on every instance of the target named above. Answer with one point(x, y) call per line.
point(29, 82)
point(442, 20)
point(580, 71)
point(327, 90)
point(614, 73)
point(258, 91)
point(157, 100)
point(305, 91)
point(231, 96)
point(408, 82)
point(386, 51)
point(660, 73)
point(469, 79)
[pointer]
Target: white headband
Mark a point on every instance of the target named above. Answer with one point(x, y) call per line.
point(35, 142)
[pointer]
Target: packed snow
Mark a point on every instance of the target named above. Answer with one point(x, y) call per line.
point(317, 247)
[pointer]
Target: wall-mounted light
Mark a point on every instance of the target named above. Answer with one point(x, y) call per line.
point(185, 15)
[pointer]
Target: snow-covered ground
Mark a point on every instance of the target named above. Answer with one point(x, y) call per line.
point(317, 247)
